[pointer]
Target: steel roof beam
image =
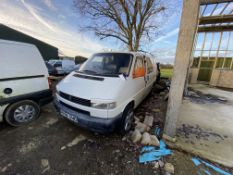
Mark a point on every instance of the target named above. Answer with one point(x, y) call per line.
point(206, 2)
point(215, 28)
point(215, 19)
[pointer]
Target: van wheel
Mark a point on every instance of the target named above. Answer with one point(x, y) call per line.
point(22, 112)
point(127, 119)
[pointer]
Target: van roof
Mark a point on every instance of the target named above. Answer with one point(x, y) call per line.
point(20, 59)
point(17, 43)
point(129, 52)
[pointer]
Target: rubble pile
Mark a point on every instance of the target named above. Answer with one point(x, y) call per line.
point(149, 120)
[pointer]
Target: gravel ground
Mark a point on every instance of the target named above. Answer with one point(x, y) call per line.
point(52, 145)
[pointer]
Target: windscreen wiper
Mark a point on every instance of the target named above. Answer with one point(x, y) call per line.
point(89, 71)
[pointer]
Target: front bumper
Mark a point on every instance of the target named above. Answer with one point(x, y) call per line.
point(86, 121)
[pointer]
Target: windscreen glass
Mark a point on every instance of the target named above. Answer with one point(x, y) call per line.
point(108, 64)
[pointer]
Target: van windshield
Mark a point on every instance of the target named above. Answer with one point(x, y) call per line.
point(108, 64)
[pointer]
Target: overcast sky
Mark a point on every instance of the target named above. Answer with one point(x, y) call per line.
point(57, 23)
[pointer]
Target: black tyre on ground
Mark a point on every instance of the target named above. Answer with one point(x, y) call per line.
point(127, 119)
point(22, 112)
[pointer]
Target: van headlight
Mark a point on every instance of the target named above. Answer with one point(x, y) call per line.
point(103, 105)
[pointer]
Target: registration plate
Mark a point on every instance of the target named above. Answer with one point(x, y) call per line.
point(69, 116)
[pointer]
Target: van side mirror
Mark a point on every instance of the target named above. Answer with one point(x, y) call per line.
point(139, 72)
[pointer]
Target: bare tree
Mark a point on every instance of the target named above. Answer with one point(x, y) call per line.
point(129, 21)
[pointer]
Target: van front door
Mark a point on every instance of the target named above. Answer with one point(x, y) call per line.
point(139, 82)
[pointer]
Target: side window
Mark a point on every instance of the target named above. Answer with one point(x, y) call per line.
point(149, 66)
point(139, 63)
point(57, 64)
point(139, 68)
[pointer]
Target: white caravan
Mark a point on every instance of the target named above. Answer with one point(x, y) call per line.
point(24, 84)
point(102, 95)
point(63, 66)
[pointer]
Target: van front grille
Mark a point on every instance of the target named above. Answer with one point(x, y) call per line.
point(74, 99)
point(75, 109)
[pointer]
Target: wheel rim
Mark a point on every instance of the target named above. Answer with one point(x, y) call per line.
point(128, 120)
point(24, 113)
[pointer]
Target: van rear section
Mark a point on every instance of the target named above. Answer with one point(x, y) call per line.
point(24, 83)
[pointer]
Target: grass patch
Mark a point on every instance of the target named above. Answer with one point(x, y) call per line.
point(166, 73)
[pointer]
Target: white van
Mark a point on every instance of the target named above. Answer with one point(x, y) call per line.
point(63, 66)
point(24, 83)
point(104, 92)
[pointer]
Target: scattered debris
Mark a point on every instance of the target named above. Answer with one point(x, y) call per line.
point(51, 121)
point(152, 153)
point(116, 151)
point(198, 162)
point(168, 167)
point(125, 138)
point(162, 93)
point(165, 98)
point(154, 140)
point(159, 87)
point(168, 138)
point(148, 121)
point(142, 127)
point(136, 119)
point(136, 136)
point(146, 139)
point(157, 131)
point(161, 163)
point(4, 169)
point(45, 165)
point(63, 147)
point(69, 163)
point(29, 146)
point(156, 110)
point(47, 110)
point(75, 141)
point(155, 165)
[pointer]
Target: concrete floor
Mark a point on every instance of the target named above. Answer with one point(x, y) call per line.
point(206, 129)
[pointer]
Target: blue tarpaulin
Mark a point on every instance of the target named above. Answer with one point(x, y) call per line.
point(197, 162)
point(152, 153)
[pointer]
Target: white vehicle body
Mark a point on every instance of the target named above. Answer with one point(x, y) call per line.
point(81, 92)
point(23, 75)
point(63, 66)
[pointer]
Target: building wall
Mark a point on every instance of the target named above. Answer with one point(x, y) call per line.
point(220, 78)
point(193, 75)
point(215, 77)
point(47, 51)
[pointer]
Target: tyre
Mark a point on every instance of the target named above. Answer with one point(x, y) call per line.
point(21, 113)
point(127, 119)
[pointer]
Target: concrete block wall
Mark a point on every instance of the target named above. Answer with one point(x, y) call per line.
point(215, 77)
point(193, 75)
point(220, 78)
point(225, 78)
